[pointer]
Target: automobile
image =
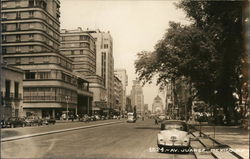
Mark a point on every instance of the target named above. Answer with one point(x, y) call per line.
point(174, 136)
point(161, 118)
point(15, 122)
point(49, 121)
point(2, 123)
point(97, 117)
point(131, 118)
point(33, 120)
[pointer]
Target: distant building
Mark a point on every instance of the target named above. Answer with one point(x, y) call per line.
point(11, 92)
point(122, 75)
point(105, 63)
point(137, 97)
point(30, 41)
point(128, 105)
point(118, 94)
point(157, 106)
point(146, 110)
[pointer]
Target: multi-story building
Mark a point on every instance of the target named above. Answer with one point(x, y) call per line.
point(30, 41)
point(118, 94)
point(122, 75)
point(157, 106)
point(137, 97)
point(11, 92)
point(128, 104)
point(79, 46)
point(105, 62)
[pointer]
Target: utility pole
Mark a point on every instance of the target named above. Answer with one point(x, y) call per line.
point(67, 100)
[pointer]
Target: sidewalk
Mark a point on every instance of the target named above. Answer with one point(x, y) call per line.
point(233, 137)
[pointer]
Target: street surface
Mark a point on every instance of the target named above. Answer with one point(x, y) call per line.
point(121, 140)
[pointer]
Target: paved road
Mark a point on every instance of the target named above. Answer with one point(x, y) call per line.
point(124, 140)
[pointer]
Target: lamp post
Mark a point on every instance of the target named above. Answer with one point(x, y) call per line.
point(67, 100)
point(215, 92)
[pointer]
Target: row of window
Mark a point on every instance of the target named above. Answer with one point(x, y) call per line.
point(77, 52)
point(53, 10)
point(8, 86)
point(75, 38)
point(29, 38)
point(49, 94)
point(56, 74)
point(31, 26)
point(40, 60)
point(27, 49)
point(28, 15)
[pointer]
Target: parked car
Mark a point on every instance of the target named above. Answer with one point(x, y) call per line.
point(174, 134)
point(33, 120)
point(15, 122)
point(49, 121)
point(2, 123)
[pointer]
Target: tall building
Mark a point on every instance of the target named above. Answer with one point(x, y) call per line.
point(30, 41)
point(118, 94)
point(79, 46)
point(105, 62)
point(137, 98)
point(157, 106)
point(122, 75)
point(128, 104)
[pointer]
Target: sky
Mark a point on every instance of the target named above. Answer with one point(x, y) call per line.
point(135, 25)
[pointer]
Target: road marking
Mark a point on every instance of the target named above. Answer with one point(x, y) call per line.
point(56, 131)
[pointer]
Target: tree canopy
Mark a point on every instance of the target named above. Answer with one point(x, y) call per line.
point(208, 52)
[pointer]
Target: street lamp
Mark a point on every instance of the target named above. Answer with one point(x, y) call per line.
point(67, 100)
point(215, 92)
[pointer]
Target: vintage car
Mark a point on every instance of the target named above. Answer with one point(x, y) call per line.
point(15, 122)
point(33, 120)
point(131, 118)
point(173, 137)
point(48, 121)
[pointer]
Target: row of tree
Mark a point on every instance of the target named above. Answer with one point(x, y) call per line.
point(210, 53)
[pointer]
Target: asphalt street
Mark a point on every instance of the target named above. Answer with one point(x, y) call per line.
point(122, 140)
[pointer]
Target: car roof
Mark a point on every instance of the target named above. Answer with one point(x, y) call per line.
point(173, 121)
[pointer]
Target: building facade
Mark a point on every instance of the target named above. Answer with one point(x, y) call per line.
point(118, 94)
point(122, 75)
point(31, 40)
point(105, 63)
point(79, 46)
point(137, 97)
point(128, 104)
point(157, 106)
point(11, 92)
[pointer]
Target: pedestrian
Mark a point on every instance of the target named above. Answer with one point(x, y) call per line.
point(156, 121)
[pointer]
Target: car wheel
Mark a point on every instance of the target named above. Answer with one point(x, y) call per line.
point(12, 126)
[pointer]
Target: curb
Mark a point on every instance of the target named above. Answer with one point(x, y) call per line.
point(56, 131)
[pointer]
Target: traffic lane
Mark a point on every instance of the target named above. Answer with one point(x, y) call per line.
point(10, 132)
point(126, 140)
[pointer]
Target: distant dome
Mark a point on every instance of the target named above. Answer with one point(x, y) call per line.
point(157, 98)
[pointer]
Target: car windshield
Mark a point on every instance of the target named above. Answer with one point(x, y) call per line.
point(178, 126)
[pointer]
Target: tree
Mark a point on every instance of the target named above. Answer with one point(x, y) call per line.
point(208, 52)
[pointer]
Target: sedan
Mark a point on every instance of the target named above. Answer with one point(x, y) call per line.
point(173, 137)
point(15, 122)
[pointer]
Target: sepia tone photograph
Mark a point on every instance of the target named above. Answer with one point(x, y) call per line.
point(124, 79)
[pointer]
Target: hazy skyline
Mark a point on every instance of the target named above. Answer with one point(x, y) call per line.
point(134, 25)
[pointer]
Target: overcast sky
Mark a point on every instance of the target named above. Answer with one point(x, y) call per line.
point(135, 25)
